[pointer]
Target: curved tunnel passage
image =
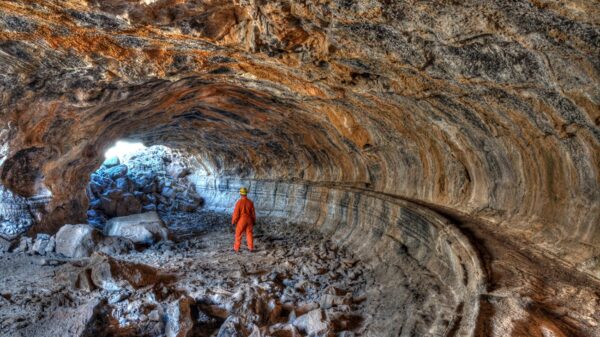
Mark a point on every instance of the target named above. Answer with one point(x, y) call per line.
point(490, 119)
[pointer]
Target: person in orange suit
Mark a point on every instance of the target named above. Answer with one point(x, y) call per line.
point(243, 219)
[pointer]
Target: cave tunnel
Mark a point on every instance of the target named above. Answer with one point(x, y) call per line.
point(418, 168)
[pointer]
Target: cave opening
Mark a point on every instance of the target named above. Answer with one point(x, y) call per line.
point(136, 179)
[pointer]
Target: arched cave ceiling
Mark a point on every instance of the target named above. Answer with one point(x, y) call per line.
point(486, 108)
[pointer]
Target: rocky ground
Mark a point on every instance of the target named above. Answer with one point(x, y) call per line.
point(295, 284)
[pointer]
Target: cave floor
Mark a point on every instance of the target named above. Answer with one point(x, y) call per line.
point(294, 284)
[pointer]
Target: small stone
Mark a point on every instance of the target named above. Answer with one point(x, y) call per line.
point(230, 328)
point(115, 245)
point(40, 244)
point(111, 162)
point(154, 315)
point(25, 244)
point(51, 245)
point(117, 171)
point(312, 323)
point(179, 318)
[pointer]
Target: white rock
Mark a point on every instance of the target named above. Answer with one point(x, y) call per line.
point(139, 228)
point(25, 244)
point(40, 244)
point(4, 245)
point(154, 315)
point(51, 245)
point(229, 328)
point(312, 323)
point(76, 240)
point(179, 318)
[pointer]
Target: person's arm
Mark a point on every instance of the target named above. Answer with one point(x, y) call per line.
point(253, 214)
point(236, 214)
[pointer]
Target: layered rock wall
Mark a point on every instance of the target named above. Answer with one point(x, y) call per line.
point(422, 266)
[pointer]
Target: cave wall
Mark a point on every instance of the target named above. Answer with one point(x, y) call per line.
point(488, 108)
point(422, 265)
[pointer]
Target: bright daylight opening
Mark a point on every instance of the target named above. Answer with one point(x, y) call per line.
point(123, 150)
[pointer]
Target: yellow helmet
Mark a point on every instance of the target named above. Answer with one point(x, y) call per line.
point(243, 191)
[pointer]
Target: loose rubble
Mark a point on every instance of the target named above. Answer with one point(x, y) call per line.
point(295, 284)
point(153, 179)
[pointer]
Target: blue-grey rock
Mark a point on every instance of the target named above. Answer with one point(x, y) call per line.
point(111, 162)
point(117, 171)
point(123, 184)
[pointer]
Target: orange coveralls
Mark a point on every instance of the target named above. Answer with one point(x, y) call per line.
point(243, 218)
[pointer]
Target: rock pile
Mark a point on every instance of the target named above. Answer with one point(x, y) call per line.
point(294, 284)
point(153, 179)
point(121, 235)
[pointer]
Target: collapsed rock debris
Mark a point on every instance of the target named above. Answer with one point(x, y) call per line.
point(296, 284)
point(152, 179)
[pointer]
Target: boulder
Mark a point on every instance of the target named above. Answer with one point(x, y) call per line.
point(312, 323)
point(179, 318)
point(176, 170)
point(25, 244)
point(149, 208)
point(96, 204)
point(40, 244)
point(111, 162)
point(96, 189)
point(230, 328)
point(51, 246)
point(114, 245)
point(167, 192)
point(109, 206)
point(328, 301)
point(96, 218)
point(117, 171)
point(101, 182)
point(113, 275)
point(283, 329)
point(64, 320)
point(129, 204)
point(149, 187)
point(123, 184)
point(76, 240)
point(113, 193)
point(149, 198)
point(144, 228)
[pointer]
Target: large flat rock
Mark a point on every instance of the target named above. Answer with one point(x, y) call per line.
point(76, 240)
point(144, 228)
